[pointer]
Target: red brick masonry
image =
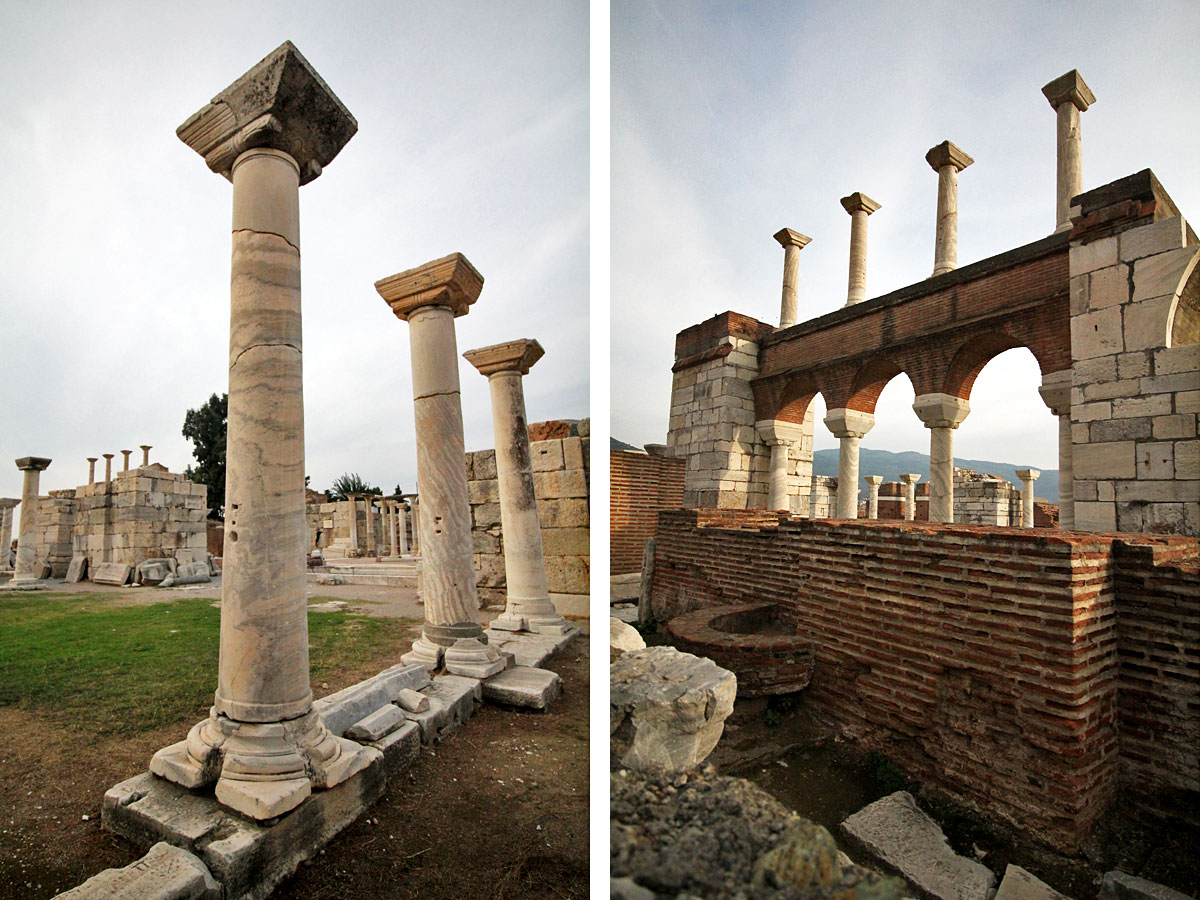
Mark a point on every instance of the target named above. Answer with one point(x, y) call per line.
point(1026, 672)
point(640, 485)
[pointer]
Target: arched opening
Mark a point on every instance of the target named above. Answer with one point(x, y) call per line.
point(1184, 324)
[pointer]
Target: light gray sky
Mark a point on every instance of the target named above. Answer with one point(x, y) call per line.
point(115, 247)
point(730, 121)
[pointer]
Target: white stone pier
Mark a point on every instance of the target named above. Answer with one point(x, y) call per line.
point(1028, 477)
point(429, 297)
point(910, 479)
point(859, 205)
point(1069, 95)
point(947, 160)
point(848, 426)
point(873, 482)
point(792, 242)
point(263, 744)
point(25, 569)
point(941, 414)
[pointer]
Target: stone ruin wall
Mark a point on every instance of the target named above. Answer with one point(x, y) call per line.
point(143, 513)
point(1027, 674)
point(329, 528)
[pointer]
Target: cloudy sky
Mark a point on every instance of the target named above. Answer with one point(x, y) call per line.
point(114, 244)
point(730, 121)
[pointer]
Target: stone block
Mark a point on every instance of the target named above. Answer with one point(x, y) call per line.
point(1019, 884)
point(1177, 491)
point(1132, 429)
point(342, 709)
point(400, 748)
point(1108, 390)
point(1146, 323)
point(623, 638)
point(546, 456)
point(1079, 294)
point(1176, 426)
point(377, 725)
point(1172, 360)
point(452, 699)
point(412, 701)
point(566, 541)
point(1097, 333)
point(523, 686)
point(528, 649)
point(479, 492)
point(562, 513)
point(1115, 459)
point(1157, 237)
point(574, 453)
point(1160, 275)
point(1096, 255)
point(77, 570)
point(1108, 287)
point(164, 873)
point(1095, 516)
point(1134, 365)
point(1090, 412)
point(112, 573)
point(486, 514)
point(1117, 885)
point(484, 464)
point(1156, 460)
point(1187, 458)
point(568, 574)
point(1159, 405)
point(898, 835)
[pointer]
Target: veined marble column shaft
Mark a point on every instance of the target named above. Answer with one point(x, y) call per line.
point(873, 482)
point(108, 458)
point(7, 504)
point(779, 435)
point(1069, 95)
point(941, 414)
point(263, 743)
point(1028, 477)
point(947, 160)
point(32, 466)
point(126, 454)
point(92, 460)
point(910, 480)
point(792, 242)
point(1056, 393)
point(401, 529)
point(372, 549)
point(145, 448)
point(859, 205)
point(428, 298)
point(849, 426)
point(528, 606)
point(352, 499)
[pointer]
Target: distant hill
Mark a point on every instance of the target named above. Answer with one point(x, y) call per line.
point(614, 444)
point(890, 465)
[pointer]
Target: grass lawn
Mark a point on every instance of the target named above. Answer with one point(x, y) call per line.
point(87, 663)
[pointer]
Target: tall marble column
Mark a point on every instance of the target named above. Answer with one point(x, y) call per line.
point(528, 606)
point(1056, 393)
point(873, 482)
point(910, 479)
point(7, 504)
point(849, 426)
point(108, 458)
point(1028, 477)
point(859, 205)
point(263, 744)
point(941, 414)
point(401, 529)
point(947, 160)
point(125, 465)
point(145, 448)
point(33, 467)
point(429, 297)
point(92, 460)
point(1069, 95)
point(792, 242)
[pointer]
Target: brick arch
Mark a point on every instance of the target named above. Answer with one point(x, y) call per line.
point(870, 380)
point(1183, 321)
point(970, 359)
point(784, 399)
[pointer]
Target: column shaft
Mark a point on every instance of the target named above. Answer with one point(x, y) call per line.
point(27, 536)
point(847, 489)
point(1070, 163)
point(910, 501)
point(1066, 478)
point(945, 253)
point(353, 523)
point(778, 495)
point(941, 474)
point(369, 509)
point(856, 287)
point(402, 529)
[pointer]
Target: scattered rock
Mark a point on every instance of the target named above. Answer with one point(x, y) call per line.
point(623, 637)
point(1018, 884)
point(1118, 885)
point(164, 873)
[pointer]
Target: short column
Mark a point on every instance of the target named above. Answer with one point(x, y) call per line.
point(25, 569)
point(779, 436)
point(528, 606)
point(429, 298)
point(910, 479)
point(108, 458)
point(849, 426)
point(859, 205)
point(873, 482)
point(7, 504)
point(145, 448)
point(1028, 477)
point(1069, 95)
point(125, 464)
point(1056, 393)
point(947, 160)
point(941, 414)
point(792, 242)
point(402, 528)
point(369, 509)
point(352, 499)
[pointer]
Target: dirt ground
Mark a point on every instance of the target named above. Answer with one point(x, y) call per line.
point(498, 810)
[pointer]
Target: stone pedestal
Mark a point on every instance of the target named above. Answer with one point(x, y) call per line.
point(428, 298)
point(849, 426)
point(26, 565)
point(947, 160)
point(792, 242)
point(873, 482)
point(528, 606)
point(941, 414)
point(1056, 393)
point(145, 448)
point(1028, 477)
point(7, 504)
point(859, 205)
point(909, 480)
point(1069, 95)
point(263, 744)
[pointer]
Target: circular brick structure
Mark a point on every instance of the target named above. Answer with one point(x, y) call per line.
point(755, 641)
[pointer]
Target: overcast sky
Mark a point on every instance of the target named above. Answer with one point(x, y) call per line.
point(115, 245)
point(731, 121)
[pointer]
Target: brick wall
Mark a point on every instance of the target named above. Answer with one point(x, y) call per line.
point(640, 485)
point(983, 660)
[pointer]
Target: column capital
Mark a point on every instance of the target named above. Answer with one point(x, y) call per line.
point(511, 356)
point(9, 503)
point(775, 431)
point(145, 447)
point(93, 459)
point(789, 238)
point(947, 154)
point(1055, 391)
point(941, 410)
point(1029, 474)
point(32, 463)
point(281, 103)
point(859, 202)
point(873, 480)
point(1069, 88)
point(108, 455)
point(450, 281)
point(910, 477)
point(849, 422)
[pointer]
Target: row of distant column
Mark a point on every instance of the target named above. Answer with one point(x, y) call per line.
point(395, 525)
point(108, 458)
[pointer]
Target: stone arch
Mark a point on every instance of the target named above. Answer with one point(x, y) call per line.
point(1183, 321)
point(796, 398)
point(976, 353)
point(870, 381)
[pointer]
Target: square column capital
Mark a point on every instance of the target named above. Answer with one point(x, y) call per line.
point(9, 503)
point(947, 154)
point(1029, 474)
point(450, 281)
point(849, 422)
point(32, 463)
point(873, 480)
point(789, 238)
point(511, 356)
point(859, 202)
point(776, 431)
point(1056, 391)
point(1069, 88)
point(941, 410)
point(281, 103)
point(910, 477)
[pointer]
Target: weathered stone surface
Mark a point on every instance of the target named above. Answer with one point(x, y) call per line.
point(1018, 884)
point(901, 837)
point(1118, 885)
point(623, 638)
point(377, 725)
point(111, 573)
point(523, 686)
point(77, 570)
point(153, 571)
point(530, 649)
point(341, 710)
point(412, 701)
point(164, 873)
point(452, 700)
point(666, 709)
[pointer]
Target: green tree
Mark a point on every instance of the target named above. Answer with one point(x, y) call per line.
point(206, 428)
point(350, 483)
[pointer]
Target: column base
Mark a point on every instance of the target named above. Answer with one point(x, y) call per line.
point(261, 769)
point(425, 653)
point(473, 658)
point(555, 624)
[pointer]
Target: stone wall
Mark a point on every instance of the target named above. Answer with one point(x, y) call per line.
point(640, 485)
point(329, 528)
point(987, 661)
point(561, 474)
